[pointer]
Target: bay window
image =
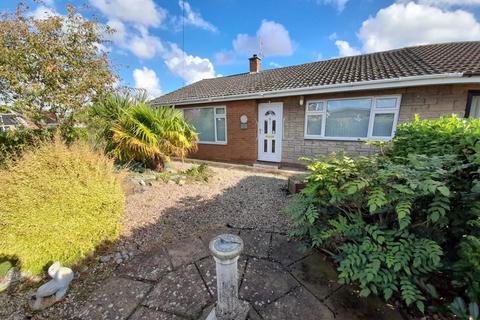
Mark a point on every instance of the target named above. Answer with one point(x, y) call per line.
point(209, 122)
point(372, 118)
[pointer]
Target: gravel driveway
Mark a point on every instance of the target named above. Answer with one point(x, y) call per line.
point(163, 212)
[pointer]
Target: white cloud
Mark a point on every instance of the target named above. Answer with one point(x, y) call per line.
point(138, 40)
point(333, 36)
point(188, 67)
point(340, 4)
point(144, 45)
point(193, 18)
point(148, 80)
point(224, 57)
point(447, 3)
point(406, 24)
point(142, 12)
point(344, 49)
point(272, 39)
point(275, 65)
point(119, 31)
point(42, 12)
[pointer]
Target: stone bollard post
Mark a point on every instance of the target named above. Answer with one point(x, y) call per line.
point(226, 250)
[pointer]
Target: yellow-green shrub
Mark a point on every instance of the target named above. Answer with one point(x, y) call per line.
point(57, 203)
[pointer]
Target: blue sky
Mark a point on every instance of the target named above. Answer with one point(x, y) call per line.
point(149, 49)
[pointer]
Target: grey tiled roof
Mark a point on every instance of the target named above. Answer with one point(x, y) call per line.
point(459, 57)
point(9, 120)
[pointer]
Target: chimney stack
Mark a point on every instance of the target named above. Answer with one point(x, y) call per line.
point(255, 63)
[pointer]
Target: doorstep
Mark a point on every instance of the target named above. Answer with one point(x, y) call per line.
point(251, 168)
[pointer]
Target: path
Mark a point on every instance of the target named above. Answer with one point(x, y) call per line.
point(178, 282)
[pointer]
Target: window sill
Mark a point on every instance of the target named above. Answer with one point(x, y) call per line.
point(210, 142)
point(346, 139)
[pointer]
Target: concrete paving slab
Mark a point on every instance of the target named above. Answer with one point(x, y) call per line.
point(298, 304)
point(257, 243)
point(115, 300)
point(143, 313)
point(286, 251)
point(149, 265)
point(265, 281)
point(317, 274)
point(180, 292)
point(187, 251)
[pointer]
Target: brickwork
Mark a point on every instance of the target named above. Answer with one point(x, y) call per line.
point(241, 144)
point(428, 101)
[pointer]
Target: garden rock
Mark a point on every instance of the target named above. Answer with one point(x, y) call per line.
point(7, 280)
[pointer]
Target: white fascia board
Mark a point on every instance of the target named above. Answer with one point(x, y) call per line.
point(438, 79)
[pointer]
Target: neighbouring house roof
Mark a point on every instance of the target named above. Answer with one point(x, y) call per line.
point(10, 119)
point(421, 65)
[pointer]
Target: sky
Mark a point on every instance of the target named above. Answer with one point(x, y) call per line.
point(161, 46)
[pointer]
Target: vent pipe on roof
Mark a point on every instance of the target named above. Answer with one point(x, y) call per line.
point(255, 63)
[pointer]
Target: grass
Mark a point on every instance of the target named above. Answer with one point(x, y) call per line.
point(4, 267)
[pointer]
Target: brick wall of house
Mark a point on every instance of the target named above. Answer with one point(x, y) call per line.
point(241, 144)
point(429, 102)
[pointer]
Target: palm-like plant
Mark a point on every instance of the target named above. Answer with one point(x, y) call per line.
point(133, 131)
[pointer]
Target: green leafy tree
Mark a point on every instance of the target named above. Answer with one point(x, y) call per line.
point(132, 131)
point(52, 64)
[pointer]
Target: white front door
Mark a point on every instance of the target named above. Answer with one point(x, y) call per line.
point(270, 120)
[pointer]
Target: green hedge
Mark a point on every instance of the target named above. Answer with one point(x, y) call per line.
point(398, 222)
point(57, 204)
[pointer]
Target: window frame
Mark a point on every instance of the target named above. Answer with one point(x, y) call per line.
point(471, 94)
point(215, 117)
point(373, 111)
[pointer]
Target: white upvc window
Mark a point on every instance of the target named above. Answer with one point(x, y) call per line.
point(209, 122)
point(363, 118)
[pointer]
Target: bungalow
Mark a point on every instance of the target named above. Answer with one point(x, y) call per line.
point(313, 109)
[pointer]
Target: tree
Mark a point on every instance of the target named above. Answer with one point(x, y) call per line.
point(52, 65)
point(132, 131)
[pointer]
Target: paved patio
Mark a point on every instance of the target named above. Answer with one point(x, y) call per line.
point(177, 281)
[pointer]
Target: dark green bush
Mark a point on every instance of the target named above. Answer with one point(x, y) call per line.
point(13, 142)
point(397, 221)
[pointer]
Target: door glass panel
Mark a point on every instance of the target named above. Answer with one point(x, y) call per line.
point(221, 129)
point(273, 146)
point(383, 124)
point(273, 126)
point(265, 127)
point(265, 145)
